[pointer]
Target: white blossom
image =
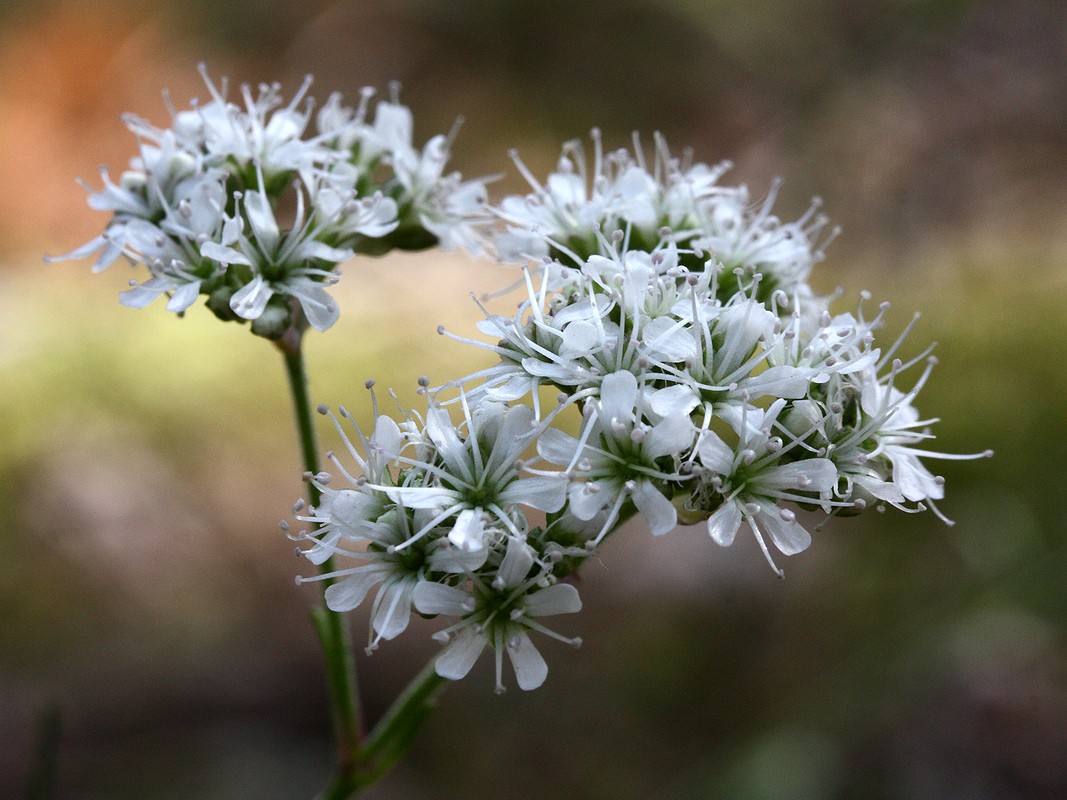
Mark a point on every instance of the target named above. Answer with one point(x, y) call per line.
point(500, 615)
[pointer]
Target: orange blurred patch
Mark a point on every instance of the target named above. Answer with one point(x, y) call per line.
point(66, 76)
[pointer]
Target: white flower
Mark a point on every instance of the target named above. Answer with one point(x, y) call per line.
point(724, 362)
point(618, 454)
point(738, 234)
point(895, 427)
point(499, 614)
point(397, 571)
point(475, 475)
point(450, 210)
point(564, 216)
point(749, 480)
point(281, 262)
point(266, 134)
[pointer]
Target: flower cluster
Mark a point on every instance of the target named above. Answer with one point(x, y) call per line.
point(712, 386)
point(255, 203)
point(439, 519)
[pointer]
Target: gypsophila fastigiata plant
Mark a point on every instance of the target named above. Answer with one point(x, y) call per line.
point(668, 315)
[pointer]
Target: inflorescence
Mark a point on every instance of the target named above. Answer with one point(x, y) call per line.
point(255, 203)
point(713, 386)
point(670, 316)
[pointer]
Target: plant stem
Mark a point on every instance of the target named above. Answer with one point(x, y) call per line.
point(333, 631)
point(361, 760)
point(391, 737)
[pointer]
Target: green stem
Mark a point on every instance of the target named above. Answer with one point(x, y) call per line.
point(332, 629)
point(361, 760)
point(392, 736)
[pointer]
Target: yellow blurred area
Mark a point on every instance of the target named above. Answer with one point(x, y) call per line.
point(147, 595)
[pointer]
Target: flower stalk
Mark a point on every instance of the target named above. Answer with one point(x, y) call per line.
point(332, 629)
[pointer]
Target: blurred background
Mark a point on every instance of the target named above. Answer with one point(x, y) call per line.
point(152, 639)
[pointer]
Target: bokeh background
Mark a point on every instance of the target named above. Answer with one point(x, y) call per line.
point(152, 641)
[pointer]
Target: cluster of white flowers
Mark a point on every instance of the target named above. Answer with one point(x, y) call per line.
point(254, 204)
point(713, 386)
point(670, 315)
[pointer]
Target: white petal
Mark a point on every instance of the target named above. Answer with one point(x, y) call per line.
point(913, 479)
point(579, 338)
point(323, 549)
point(567, 188)
point(387, 435)
point(393, 123)
point(452, 559)
point(223, 254)
point(349, 592)
point(516, 564)
point(671, 436)
point(350, 510)
point(468, 532)
point(184, 296)
point(723, 524)
point(544, 492)
point(512, 435)
point(319, 307)
point(140, 296)
point(249, 301)
point(715, 454)
point(780, 381)
point(559, 598)
point(393, 607)
point(585, 503)
point(529, 665)
point(667, 340)
point(459, 655)
point(261, 218)
point(810, 475)
point(422, 496)
point(436, 598)
point(788, 535)
point(556, 446)
point(323, 252)
point(883, 490)
point(657, 510)
point(443, 434)
point(618, 394)
point(514, 387)
point(677, 399)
